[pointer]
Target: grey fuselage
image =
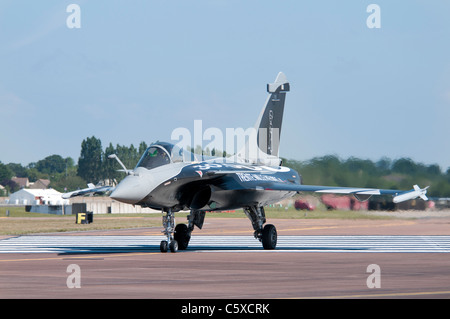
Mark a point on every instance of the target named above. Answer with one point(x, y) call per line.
point(209, 186)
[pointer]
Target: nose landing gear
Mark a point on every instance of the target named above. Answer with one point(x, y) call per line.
point(178, 237)
point(168, 224)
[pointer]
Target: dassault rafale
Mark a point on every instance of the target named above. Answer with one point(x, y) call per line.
point(170, 178)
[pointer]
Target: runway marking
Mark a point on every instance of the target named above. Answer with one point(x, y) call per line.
point(90, 257)
point(67, 245)
point(349, 226)
point(306, 228)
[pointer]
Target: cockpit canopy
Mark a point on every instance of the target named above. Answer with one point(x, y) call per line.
point(162, 153)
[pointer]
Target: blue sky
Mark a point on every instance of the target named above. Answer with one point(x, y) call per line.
point(136, 70)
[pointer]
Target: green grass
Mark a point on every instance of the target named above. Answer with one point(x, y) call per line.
point(17, 212)
point(21, 222)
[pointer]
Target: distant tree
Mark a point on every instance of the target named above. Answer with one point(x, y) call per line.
point(18, 169)
point(110, 166)
point(133, 156)
point(384, 165)
point(51, 164)
point(10, 185)
point(68, 183)
point(5, 173)
point(404, 166)
point(434, 169)
point(128, 155)
point(359, 165)
point(90, 161)
point(70, 163)
point(142, 147)
point(33, 174)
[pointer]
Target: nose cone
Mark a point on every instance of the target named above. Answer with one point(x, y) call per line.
point(130, 190)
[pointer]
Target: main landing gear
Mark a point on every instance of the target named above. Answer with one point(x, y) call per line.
point(178, 237)
point(267, 234)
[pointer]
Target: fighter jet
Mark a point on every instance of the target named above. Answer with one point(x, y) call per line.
point(172, 179)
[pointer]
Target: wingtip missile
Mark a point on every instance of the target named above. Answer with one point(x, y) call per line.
point(413, 194)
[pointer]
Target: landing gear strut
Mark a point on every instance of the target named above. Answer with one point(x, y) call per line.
point(178, 237)
point(267, 234)
point(168, 224)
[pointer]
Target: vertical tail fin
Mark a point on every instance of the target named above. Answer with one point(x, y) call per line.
point(263, 146)
point(271, 118)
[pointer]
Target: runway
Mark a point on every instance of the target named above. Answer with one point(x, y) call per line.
point(292, 244)
point(313, 259)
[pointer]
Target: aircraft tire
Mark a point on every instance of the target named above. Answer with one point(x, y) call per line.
point(173, 246)
point(182, 236)
point(269, 237)
point(163, 246)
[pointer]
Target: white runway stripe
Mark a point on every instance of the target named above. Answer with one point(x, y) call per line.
point(120, 244)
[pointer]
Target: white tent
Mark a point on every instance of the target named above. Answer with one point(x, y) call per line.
point(37, 197)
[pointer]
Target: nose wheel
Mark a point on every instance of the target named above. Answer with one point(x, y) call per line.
point(165, 246)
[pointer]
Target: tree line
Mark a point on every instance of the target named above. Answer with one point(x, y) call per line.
point(93, 166)
point(385, 173)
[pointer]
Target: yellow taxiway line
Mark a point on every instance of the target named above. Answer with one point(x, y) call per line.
point(398, 294)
